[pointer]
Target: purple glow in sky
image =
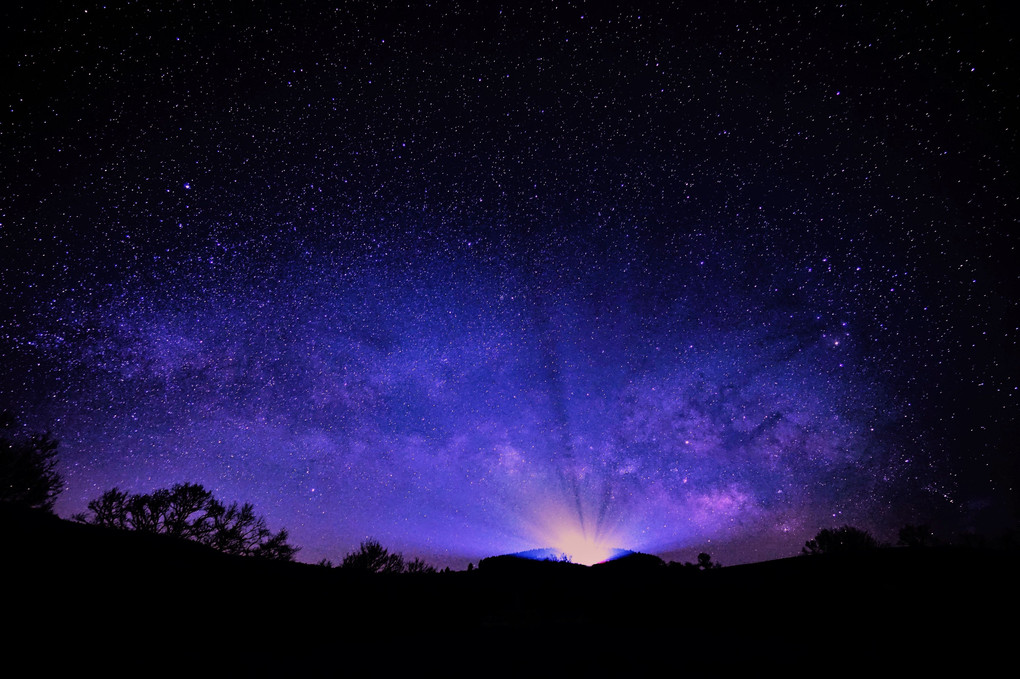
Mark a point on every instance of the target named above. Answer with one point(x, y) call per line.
point(474, 280)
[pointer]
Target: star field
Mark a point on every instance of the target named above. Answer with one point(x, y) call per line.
point(687, 275)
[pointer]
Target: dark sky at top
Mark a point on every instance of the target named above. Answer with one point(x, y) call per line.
point(468, 278)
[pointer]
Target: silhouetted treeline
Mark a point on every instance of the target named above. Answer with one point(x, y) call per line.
point(191, 512)
point(28, 468)
point(704, 563)
point(917, 536)
point(846, 539)
point(850, 540)
point(372, 557)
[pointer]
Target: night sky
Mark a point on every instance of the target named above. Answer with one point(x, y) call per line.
point(470, 280)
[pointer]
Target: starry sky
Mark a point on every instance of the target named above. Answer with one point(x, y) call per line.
point(467, 277)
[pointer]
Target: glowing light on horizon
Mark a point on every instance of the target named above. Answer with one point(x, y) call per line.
point(583, 549)
point(578, 540)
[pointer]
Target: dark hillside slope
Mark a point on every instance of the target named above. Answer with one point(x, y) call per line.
point(98, 591)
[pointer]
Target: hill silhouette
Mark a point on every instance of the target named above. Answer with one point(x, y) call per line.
point(93, 590)
point(545, 555)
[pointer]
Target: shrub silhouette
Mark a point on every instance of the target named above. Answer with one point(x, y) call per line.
point(840, 541)
point(916, 536)
point(705, 562)
point(372, 557)
point(28, 474)
point(418, 566)
point(190, 511)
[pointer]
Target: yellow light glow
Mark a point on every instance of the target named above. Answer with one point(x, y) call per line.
point(569, 530)
point(581, 548)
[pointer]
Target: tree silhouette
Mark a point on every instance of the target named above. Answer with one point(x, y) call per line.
point(418, 566)
point(28, 474)
point(916, 536)
point(840, 541)
point(705, 562)
point(190, 511)
point(371, 557)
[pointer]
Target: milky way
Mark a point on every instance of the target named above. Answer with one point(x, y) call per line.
point(459, 279)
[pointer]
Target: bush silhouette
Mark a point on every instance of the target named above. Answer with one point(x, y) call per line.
point(190, 511)
point(418, 566)
point(840, 541)
point(705, 562)
point(916, 536)
point(28, 474)
point(372, 557)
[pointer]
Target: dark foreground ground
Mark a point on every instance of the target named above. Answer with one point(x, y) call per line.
point(81, 596)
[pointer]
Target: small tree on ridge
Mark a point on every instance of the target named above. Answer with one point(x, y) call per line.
point(840, 541)
point(28, 469)
point(191, 512)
